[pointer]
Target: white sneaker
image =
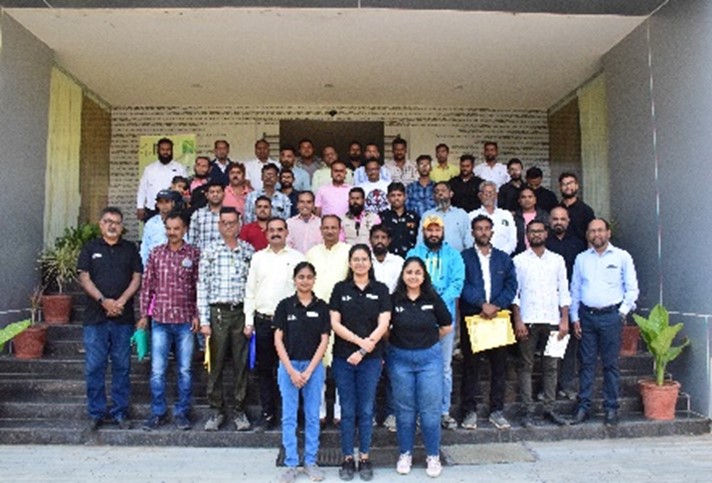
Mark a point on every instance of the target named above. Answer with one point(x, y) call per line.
point(405, 461)
point(390, 423)
point(434, 467)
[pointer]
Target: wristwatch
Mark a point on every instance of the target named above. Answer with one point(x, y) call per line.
point(363, 351)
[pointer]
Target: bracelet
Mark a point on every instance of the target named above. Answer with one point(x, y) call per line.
point(363, 352)
point(101, 299)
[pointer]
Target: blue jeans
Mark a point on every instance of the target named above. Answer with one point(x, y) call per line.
point(415, 376)
point(600, 333)
point(446, 344)
point(101, 342)
point(357, 391)
point(311, 394)
point(163, 336)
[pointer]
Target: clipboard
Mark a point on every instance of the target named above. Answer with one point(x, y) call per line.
point(490, 333)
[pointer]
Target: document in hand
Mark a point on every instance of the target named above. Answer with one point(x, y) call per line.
point(555, 347)
point(490, 333)
point(206, 359)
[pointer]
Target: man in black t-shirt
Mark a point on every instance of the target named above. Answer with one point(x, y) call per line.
point(110, 274)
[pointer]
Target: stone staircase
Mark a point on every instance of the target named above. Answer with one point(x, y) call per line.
point(42, 402)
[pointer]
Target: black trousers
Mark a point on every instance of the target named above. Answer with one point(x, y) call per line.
point(469, 390)
point(266, 364)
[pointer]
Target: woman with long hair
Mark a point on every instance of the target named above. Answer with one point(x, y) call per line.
point(360, 311)
point(415, 365)
point(302, 328)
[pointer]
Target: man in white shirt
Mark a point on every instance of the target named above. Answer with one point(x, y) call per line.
point(540, 308)
point(401, 169)
point(504, 230)
point(269, 280)
point(375, 189)
point(491, 170)
point(157, 176)
point(386, 265)
point(253, 168)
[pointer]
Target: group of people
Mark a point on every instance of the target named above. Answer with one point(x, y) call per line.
point(337, 282)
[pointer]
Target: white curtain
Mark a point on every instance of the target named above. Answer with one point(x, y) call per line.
point(62, 198)
point(593, 120)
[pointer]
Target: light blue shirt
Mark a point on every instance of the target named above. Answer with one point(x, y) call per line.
point(154, 234)
point(360, 176)
point(457, 227)
point(446, 269)
point(602, 280)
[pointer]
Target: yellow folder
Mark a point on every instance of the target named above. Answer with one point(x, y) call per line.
point(490, 333)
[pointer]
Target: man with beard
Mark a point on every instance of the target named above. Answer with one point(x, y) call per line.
point(490, 286)
point(204, 227)
point(402, 170)
point(255, 233)
point(157, 176)
point(541, 307)
point(527, 211)
point(447, 273)
point(307, 160)
point(466, 186)
point(286, 187)
point(201, 168)
point(419, 194)
point(168, 293)
point(504, 231)
point(269, 280)
point(281, 205)
point(508, 196)
point(568, 246)
point(491, 170)
point(371, 152)
point(580, 213)
point(604, 289)
point(110, 274)
point(236, 192)
point(401, 223)
point(357, 223)
point(288, 159)
point(333, 198)
point(455, 219)
point(545, 199)
point(304, 227)
point(443, 170)
point(355, 153)
point(219, 165)
point(253, 168)
point(375, 188)
point(322, 176)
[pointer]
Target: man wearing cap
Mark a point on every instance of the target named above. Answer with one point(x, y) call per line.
point(545, 199)
point(154, 231)
point(456, 221)
point(157, 176)
point(447, 273)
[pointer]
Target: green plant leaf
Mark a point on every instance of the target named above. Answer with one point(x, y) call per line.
point(11, 330)
point(659, 335)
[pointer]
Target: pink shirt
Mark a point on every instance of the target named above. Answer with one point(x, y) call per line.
point(527, 218)
point(333, 200)
point(236, 200)
point(303, 234)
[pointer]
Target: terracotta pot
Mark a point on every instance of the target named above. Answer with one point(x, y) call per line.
point(659, 401)
point(30, 343)
point(56, 308)
point(629, 340)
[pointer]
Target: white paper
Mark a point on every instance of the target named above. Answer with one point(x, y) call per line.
point(555, 347)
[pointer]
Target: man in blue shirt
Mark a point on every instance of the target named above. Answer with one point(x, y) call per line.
point(154, 231)
point(457, 221)
point(419, 194)
point(604, 288)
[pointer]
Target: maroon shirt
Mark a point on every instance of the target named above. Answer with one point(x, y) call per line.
point(168, 291)
point(253, 234)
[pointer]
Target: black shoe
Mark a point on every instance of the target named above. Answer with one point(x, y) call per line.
point(347, 470)
point(154, 422)
point(611, 417)
point(580, 416)
point(95, 424)
point(527, 422)
point(271, 422)
point(182, 422)
point(365, 470)
point(555, 418)
point(122, 422)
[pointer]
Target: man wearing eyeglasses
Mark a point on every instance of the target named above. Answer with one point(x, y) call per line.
point(110, 274)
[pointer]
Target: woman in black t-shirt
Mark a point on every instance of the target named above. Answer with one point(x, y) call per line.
point(414, 363)
point(302, 328)
point(360, 310)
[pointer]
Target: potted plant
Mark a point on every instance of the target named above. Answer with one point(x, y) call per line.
point(660, 395)
point(28, 336)
point(58, 265)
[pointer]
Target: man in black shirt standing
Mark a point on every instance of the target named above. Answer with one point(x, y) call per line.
point(568, 246)
point(508, 197)
point(466, 186)
point(545, 198)
point(401, 223)
point(580, 213)
point(110, 274)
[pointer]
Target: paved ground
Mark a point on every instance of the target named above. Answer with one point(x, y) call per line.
point(669, 459)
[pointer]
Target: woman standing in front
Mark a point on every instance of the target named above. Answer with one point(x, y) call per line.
point(420, 318)
point(301, 334)
point(360, 312)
